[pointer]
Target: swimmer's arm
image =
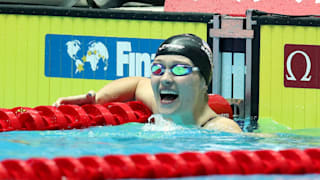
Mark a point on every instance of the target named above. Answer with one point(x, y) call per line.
point(118, 90)
point(88, 98)
point(223, 124)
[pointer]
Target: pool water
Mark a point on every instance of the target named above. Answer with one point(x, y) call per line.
point(134, 138)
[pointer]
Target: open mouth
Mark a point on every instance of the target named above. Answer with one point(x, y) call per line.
point(168, 96)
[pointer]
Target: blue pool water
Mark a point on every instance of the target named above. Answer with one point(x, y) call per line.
point(136, 138)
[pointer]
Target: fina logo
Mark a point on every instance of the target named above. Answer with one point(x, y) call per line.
point(96, 52)
point(93, 57)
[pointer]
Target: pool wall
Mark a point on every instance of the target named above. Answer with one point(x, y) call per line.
point(29, 58)
point(285, 54)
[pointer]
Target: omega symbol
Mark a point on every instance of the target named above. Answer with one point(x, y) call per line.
point(305, 77)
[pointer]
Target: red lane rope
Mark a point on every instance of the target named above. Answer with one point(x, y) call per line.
point(77, 117)
point(72, 116)
point(162, 165)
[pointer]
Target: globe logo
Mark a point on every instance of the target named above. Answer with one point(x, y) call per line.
point(96, 52)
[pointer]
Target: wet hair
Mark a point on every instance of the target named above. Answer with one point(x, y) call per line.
point(192, 47)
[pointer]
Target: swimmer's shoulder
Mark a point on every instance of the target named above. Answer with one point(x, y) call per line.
point(221, 123)
point(144, 93)
point(144, 86)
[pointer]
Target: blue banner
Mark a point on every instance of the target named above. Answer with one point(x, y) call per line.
point(90, 57)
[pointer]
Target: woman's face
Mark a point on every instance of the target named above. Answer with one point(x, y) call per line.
point(175, 94)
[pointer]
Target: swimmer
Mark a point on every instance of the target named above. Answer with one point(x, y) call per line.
point(177, 89)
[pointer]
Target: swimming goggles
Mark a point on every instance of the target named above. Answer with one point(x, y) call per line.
point(177, 69)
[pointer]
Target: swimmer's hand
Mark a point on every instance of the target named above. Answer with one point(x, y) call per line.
point(89, 98)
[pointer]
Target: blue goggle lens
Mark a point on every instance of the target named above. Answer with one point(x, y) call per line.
point(157, 69)
point(181, 70)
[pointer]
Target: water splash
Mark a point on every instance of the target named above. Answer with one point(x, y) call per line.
point(157, 122)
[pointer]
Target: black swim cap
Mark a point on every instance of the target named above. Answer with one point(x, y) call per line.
point(192, 47)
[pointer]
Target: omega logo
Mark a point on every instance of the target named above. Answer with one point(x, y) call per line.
point(290, 76)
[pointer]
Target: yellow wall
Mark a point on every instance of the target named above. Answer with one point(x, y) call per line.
point(294, 107)
point(22, 49)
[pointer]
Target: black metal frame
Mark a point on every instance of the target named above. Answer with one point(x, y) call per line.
point(104, 13)
point(263, 18)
